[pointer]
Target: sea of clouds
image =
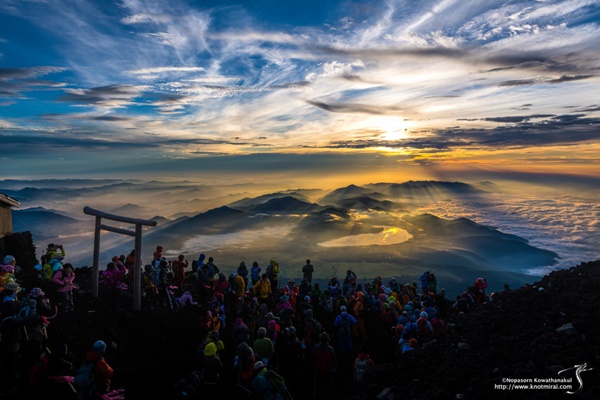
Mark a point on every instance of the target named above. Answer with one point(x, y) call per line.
point(567, 225)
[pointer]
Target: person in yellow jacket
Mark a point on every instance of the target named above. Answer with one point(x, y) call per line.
point(262, 290)
point(273, 274)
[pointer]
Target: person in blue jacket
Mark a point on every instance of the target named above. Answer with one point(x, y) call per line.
point(344, 323)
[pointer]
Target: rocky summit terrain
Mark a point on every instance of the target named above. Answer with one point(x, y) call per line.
point(531, 332)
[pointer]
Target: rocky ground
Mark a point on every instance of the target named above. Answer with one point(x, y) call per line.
point(531, 332)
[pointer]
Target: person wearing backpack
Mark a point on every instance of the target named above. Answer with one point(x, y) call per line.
point(362, 364)
point(273, 274)
point(325, 363)
point(92, 379)
point(268, 384)
point(255, 273)
point(344, 323)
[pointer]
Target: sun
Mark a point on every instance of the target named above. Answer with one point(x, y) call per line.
point(393, 128)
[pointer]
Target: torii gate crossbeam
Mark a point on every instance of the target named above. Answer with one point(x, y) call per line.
point(137, 278)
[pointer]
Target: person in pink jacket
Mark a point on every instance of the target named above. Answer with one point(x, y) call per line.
point(112, 279)
point(63, 279)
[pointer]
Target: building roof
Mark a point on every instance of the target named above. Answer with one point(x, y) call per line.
point(9, 200)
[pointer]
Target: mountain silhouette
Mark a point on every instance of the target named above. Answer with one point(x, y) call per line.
point(350, 191)
point(287, 204)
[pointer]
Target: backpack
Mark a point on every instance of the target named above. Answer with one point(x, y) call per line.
point(422, 327)
point(362, 365)
point(276, 381)
point(345, 327)
point(315, 331)
point(270, 271)
point(84, 377)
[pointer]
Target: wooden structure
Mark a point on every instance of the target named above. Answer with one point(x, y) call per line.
point(6, 205)
point(137, 276)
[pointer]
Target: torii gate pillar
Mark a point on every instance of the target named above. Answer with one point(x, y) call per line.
point(137, 277)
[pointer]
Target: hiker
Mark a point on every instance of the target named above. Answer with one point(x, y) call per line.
point(289, 349)
point(262, 290)
point(292, 291)
point(432, 285)
point(325, 367)
point(213, 271)
point(263, 346)
point(112, 281)
point(425, 278)
point(241, 332)
point(60, 367)
point(359, 315)
point(344, 323)
point(36, 330)
point(305, 288)
point(307, 271)
point(244, 366)
point(179, 267)
point(7, 272)
point(349, 275)
point(52, 266)
point(273, 275)
point(52, 250)
point(243, 272)
point(207, 324)
point(101, 375)
point(212, 368)
point(267, 383)
point(149, 287)
point(63, 279)
point(362, 364)
point(186, 300)
point(255, 273)
point(11, 329)
point(334, 288)
point(157, 256)
point(424, 328)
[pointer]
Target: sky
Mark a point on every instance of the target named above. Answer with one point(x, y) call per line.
point(369, 90)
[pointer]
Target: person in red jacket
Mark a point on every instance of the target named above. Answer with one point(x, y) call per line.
point(179, 267)
point(103, 373)
point(325, 367)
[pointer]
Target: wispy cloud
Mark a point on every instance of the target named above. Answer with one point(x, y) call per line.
point(363, 76)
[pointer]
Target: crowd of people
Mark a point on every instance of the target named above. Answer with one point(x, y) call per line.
point(270, 337)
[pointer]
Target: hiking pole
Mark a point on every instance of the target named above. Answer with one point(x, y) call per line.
point(289, 395)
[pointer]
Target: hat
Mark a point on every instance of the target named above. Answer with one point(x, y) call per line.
point(306, 298)
point(99, 347)
point(259, 365)
point(232, 275)
point(324, 337)
point(51, 245)
point(202, 256)
point(210, 349)
point(8, 268)
point(36, 292)
point(8, 259)
point(343, 308)
point(13, 286)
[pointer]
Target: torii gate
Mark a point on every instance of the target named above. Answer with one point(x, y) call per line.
point(137, 287)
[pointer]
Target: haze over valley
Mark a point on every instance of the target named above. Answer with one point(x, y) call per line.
point(458, 230)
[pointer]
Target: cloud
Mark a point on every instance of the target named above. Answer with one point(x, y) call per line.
point(549, 131)
point(112, 96)
point(14, 82)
